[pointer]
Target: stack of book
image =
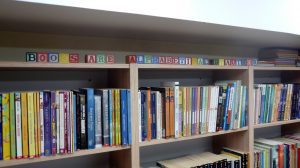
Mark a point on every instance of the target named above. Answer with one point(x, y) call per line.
point(277, 152)
point(276, 102)
point(278, 57)
point(227, 159)
point(178, 111)
point(60, 122)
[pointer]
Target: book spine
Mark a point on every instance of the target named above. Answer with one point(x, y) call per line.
point(91, 118)
point(18, 124)
point(129, 116)
point(197, 110)
point(124, 121)
point(98, 132)
point(167, 119)
point(71, 120)
point(83, 121)
point(118, 118)
point(153, 116)
point(149, 116)
point(140, 115)
point(47, 123)
point(75, 120)
point(1, 131)
point(158, 115)
point(176, 112)
point(25, 148)
point(61, 123)
point(5, 126)
point(111, 117)
point(12, 123)
point(57, 108)
point(143, 116)
point(105, 118)
point(31, 131)
point(42, 129)
point(37, 123)
point(53, 122)
point(184, 120)
point(68, 123)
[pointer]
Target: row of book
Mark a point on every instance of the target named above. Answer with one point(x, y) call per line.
point(178, 111)
point(278, 57)
point(228, 158)
point(43, 123)
point(281, 152)
point(276, 102)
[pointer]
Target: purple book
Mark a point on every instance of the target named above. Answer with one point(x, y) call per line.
point(53, 122)
point(47, 123)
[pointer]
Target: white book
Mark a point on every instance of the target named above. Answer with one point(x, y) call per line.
point(42, 123)
point(98, 133)
point(158, 115)
point(57, 99)
point(176, 109)
point(215, 108)
point(62, 122)
point(205, 109)
point(139, 115)
point(18, 124)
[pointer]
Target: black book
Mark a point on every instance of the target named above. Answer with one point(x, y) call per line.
point(83, 134)
point(78, 119)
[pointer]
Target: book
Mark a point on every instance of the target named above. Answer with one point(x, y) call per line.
point(5, 126)
point(31, 129)
point(47, 122)
point(12, 119)
point(25, 147)
point(17, 102)
point(98, 118)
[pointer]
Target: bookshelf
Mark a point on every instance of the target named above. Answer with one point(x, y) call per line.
point(91, 31)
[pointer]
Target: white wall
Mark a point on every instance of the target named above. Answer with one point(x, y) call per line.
point(274, 15)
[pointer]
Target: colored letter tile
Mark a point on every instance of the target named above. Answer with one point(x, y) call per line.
point(53, 57)
point(140, 59)
point(131, 59)
point(188, 61)
point(74, 58)
point(90, 58)
point(42, 57)
point(147, 59)
point(162, 60)
point(110, 59)
point(155, 60)
point(100, 59)
point(182, 60)
point(63, 58)
point(31, 57)
point(175, 60)
point(194, 61)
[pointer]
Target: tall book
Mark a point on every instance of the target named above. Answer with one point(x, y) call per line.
point(42, 130)
point(37, 123)
point(53, 122)
point(12, 118)
point(177, 120)
point(62, 122)
point(1, 142)
point(105, 116)
point(118, 116)
point(83, 121)
point(124, 113)
point(129, 116)
point(75, 120)
point(47, 122)
point(98, 118)
point(57, 107)
point(25, 147)
point(18, 125)
point(90, 111)
point(112, 117)
point(5, 126)
point(31, 131)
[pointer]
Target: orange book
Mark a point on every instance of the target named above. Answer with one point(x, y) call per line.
point(172, 113)
point(280, 156)
point(24, 124)
point(167, 112)
point(149, 133)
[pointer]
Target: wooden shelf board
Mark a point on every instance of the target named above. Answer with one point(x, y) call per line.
point(192, 67)
point(6, 163)
point(163, 141)
point(27, 65)
point(261, 68)
point(278, 123)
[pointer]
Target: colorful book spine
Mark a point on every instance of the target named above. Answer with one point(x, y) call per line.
point(42, 130)
point(37, 123)
point(68, 123)
point(118, 117)
point(5, 126)
point(105, 116)
point(18, 125)
point(53, 122)
point(124, 121)
point(129, 117)
point(140, 115)
point(47, 122)
point(176, 112)
point(25, 137)
point(75, 120)
point(111, 117)
point(12, 119)
point(61, 122)
point(57, 109)
point(31, 131)
point(98, 118)
point(1, 131)
point(153, 115)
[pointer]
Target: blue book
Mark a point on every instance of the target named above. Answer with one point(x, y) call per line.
point(226, 124)
point(153, 116)
point(1, 150)
point(110, 116)
point(124, 121)
point(74, 111)
point(90, 111)
point(129, 116)
point(47, 123)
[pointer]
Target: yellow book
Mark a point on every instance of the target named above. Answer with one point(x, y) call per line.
point(38, 133)
point(183, 111)
point(24, 124)
point(31, 123)
point(5, 126)
point(35, 123)
point(180, 111)
point(117, 94)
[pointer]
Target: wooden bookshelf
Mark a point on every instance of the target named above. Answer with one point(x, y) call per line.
point(171, 140)
point(278, 123)
point(7, 163)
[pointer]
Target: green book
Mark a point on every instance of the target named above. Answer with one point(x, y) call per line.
point(12, 125)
